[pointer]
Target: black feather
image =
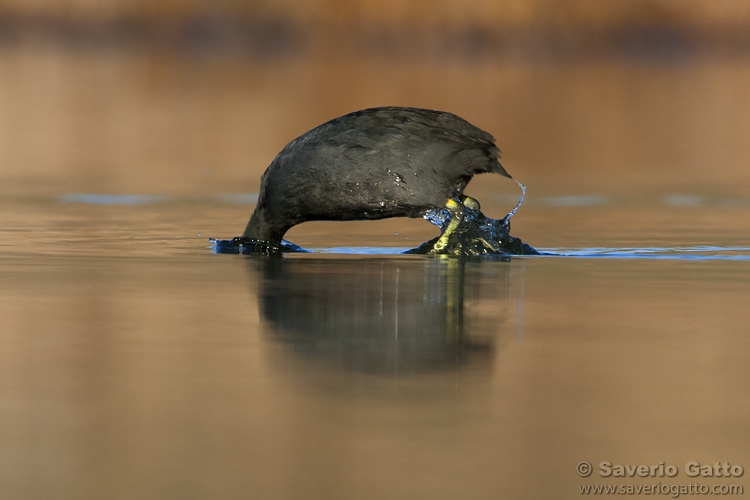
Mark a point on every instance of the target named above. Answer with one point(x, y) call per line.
point(371, 164)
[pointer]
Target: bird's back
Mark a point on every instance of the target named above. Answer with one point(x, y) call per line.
point(376, 163)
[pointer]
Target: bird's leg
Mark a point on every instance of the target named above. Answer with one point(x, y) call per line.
point(470, 202)
point(457, 212)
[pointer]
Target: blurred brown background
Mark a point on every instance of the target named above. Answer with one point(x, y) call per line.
point(493, 26)
point(585, 97)
point(136, 364)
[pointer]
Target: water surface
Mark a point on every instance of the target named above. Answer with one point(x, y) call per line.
point(137, 363)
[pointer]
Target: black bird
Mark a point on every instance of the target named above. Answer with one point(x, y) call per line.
point(373, 164)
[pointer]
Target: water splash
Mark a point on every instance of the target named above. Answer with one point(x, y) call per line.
point(518, 205)
point(438, 218)
point(476, 234)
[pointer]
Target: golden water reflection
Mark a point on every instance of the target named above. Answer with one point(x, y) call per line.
point(192, 375)
point(134, 363)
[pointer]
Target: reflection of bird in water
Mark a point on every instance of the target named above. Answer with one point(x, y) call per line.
point(374, 164)
point(384, 316)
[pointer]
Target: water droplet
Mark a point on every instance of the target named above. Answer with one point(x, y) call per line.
point(515, 209)
point(437, 217)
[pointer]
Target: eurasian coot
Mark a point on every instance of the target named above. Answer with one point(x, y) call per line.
point(373, 164)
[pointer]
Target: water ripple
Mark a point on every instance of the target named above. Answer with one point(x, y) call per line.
point(691, 253)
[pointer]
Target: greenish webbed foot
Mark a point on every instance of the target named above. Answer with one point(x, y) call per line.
point(470, 202)
point(457, 213)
